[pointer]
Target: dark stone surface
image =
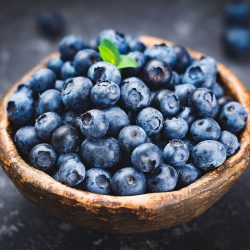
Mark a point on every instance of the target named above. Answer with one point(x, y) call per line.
point(197, 24)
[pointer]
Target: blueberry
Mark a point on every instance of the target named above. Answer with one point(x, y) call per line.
point(69, 118)
point(20, 107)
point(205, 129)
point(167, 102)
point(43, 157)
point(84, 59)
point(140, 59)
point(134, 94)
point(94, 123)
point(176, 152)
point(162, 179)
point(128, 181)
point(208, 155)
point(55, 64)
point(146, 157)
point(237, 42)
point(50, 100)
point(46, 124)
point(71, 172)
point(25, 139)
point(104, 153)
point(68, 156)
point(98, 181)
point(233, 117)
point(42, 80)
point(151, 120)
point(105, 94)
point(68, 70)
point(130, 137)
point(134, 43)
point(187, 174)
point(217, 90)
point(93, 44)
point(51, 23)
point(237, 13)
point(104, 71)
point(176, 79)
point(59, 85)
point(75, 94)
point(230, 142)
point(118, 119)
point(65, 139)
point(183, 92)
point(186, 114)
point(157, 74)
point(203, 103)
point(184, 60)
point(190, 144)
point(115, 37)
point(175, 128)
point(201, 72)
point(162, 53)
point(70, 45)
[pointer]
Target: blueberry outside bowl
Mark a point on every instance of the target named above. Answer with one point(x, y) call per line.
point(123, 215)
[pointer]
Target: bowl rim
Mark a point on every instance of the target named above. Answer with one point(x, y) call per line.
point(10, 158)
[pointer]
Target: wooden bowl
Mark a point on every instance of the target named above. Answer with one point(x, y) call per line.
point(123, 215)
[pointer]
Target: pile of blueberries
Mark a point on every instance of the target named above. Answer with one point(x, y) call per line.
point(237, 33)
point(154, 128)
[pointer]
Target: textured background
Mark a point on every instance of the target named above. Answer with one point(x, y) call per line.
point(196, 24)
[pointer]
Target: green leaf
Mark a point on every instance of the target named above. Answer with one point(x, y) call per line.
point(106, 54)
point(112, 49)
point(127, 62)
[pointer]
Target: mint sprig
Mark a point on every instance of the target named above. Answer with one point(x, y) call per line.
point(110, 53)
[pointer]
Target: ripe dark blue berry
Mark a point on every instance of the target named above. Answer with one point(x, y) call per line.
point(205, 129)
point(42, 80)
point(98, 181)
point(146, 157)
point(70, 45)
point(68, 70)
point(128, 181)
point(151, 120)
point(105, 94)
point(71, 172)
point(64, 157)
point(104, 71)
point(65, 139)
point(84, 59)
point(162, 53)
point(101, 153)
point(50, 100)
point(162, 179)
point(233, 117)
point(167, 102)
point(134, 94)
point(118, 119)
point(43, 157)
point(157, 74)
point(25, 139)
point(55, 64)
point(131, 136)
point(209, 154)
point(230, 142)
point(187, 174)
point(75, 94)
point(94, 123)
point(203, 103)
point(176, 152)
point(134, 43)
point(46, 124)
point(175, 128)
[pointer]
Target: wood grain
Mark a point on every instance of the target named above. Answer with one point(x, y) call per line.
point(123, 215)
